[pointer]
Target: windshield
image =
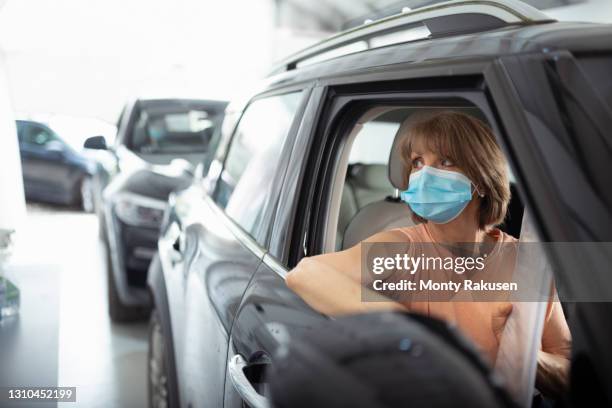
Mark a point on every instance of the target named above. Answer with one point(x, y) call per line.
point(172, 129)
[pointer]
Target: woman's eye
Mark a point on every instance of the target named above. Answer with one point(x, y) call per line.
point(417, 163)
point(447, 163)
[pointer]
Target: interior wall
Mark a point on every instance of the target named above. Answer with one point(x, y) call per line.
point(88, 58)
point(596, 11)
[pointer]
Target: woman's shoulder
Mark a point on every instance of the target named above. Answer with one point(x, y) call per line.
point(502, 237)
point(403, 234)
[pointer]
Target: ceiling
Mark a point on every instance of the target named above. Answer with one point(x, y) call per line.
point(86, 58)
point(336, 15)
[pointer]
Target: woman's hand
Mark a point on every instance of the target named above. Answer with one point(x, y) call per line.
point(552, 377)
point(552, 369)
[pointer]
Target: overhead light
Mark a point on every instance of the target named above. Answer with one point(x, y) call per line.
point(406, 9)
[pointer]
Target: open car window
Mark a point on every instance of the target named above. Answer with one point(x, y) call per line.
point(365, 160)
point(367, 203)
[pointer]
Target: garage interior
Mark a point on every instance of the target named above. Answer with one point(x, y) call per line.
point(73, 65)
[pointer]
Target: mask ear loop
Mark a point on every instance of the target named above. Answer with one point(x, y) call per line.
point(478, 191)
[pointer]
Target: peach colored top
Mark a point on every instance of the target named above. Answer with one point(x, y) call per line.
point(477, 319)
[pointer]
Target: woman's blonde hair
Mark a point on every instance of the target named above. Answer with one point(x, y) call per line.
point(470, 144)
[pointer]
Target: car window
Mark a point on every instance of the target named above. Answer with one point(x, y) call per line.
point(363, 202)
point(253, 157)
point(167, 129)
point(373, 143)
point(367, 179)
point(34, 134)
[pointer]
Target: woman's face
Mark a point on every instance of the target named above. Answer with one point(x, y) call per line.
point(421, 156)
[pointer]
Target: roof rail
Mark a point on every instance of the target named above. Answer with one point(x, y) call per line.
point(441, 19)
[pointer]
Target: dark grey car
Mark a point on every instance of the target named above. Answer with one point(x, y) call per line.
point(159, 144)
point(52, 170)
point(307, 167)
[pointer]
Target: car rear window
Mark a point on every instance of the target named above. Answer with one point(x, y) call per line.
point(173, 129)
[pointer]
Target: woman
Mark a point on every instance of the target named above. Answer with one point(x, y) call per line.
point(458, 190)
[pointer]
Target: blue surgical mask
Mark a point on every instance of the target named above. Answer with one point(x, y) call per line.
point(437, 195)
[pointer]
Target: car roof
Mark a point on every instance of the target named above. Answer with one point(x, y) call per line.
point(179, 104)
point(35, 122)
point(513, 39)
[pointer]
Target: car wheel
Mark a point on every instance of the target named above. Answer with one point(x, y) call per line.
point(118, 311)
point(87, 195)
point(157, 369)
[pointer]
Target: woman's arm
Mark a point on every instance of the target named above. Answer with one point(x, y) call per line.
point(332, 292)
point(331, 283)
point(552, 375)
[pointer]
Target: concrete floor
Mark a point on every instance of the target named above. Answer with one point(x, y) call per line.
point(105, 361)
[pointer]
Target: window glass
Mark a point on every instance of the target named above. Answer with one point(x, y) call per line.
point(372, 144)
point(219, 144)
point(34, 134)
point(253, 157)
point(171, 129)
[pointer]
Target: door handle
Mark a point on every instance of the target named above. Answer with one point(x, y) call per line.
point(242, 385)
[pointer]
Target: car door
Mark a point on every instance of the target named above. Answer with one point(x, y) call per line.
point(43, 163)
point(557, 108)
point(214, 243)
point(269, 311)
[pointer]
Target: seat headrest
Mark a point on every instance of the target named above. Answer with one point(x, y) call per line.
point(369, 176)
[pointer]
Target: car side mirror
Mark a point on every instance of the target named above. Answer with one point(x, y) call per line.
point(95, 142)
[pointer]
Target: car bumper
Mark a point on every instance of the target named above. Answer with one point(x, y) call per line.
point(131, 251)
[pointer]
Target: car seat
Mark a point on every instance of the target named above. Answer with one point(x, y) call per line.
point(364, 184)
point(384, 214)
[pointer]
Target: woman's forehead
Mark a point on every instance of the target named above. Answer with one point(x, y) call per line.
point(423, 145)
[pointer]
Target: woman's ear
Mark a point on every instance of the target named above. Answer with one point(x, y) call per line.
point(479, 191)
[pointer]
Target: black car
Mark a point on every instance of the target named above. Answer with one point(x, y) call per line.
point(307, 166)
point(53, 171)
point(159, 143)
